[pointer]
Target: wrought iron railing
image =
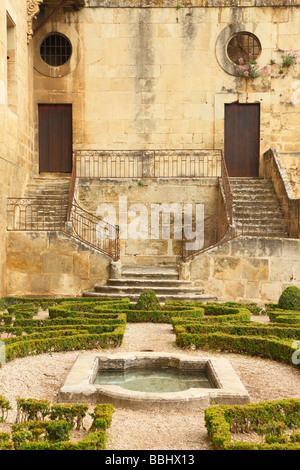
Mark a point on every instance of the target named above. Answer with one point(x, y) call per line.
point(95, 232)
point(30, 214)
point(226, 188)
point(72, 187)
point(148, 163)
point(215, 229)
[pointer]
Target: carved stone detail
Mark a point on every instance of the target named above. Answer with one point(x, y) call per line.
point(33, 9)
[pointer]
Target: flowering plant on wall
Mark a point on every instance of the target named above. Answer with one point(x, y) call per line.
point(288, 58)
point(250, 69)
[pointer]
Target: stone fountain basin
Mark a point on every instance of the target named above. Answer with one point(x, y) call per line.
point(80, 387)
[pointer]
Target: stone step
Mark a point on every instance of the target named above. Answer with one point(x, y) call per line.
point(258, 231)
point(149, 283)
point(126, 290)
point(150, 272)
point(162, 298)
point(244, 198)
point(253, 192)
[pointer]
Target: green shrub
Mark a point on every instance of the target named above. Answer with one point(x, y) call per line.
point(5, 441)
point(73, 413)
point(31, 409)
point(290, 298)
point(271, 348)
point(58, 430)
point(270, 419)
point(4, 408)
point(53, 434)
point(148, 301)
point(102, 416)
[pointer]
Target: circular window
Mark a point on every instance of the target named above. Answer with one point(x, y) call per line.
point(56, 50)
point(243, 46)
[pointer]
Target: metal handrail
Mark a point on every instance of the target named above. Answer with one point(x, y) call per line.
point(227, 188)
point(95, 232)
point(175, 163)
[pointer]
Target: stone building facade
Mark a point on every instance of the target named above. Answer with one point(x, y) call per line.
point(163, 76)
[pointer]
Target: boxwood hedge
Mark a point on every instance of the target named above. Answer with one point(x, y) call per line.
point(273, 420)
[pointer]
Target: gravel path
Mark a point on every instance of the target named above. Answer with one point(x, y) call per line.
point(42, 376)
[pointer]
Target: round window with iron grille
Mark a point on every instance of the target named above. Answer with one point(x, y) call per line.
point(56, 50)
point(242, 47)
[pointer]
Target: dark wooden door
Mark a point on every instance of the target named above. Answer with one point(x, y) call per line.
point(55, 138)
point(242, 135)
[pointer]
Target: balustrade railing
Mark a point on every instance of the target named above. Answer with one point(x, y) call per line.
point(95, 232)
point(148, 163)
point(30, 214)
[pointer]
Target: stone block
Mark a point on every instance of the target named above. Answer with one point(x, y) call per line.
point(27, 263)
point(202, 267)
point(253, 290)
point(267, 247)
point(281, 270)
point(81, 264)
point(234, 289)
point(255, 269)
point(39, 284)
point(99, 266)
point(271, 291)
point(244, 247)
point(34, 242)
point(59, 243)
point(17, 284)
point(65, 285)
point(291, 249)
point(56, 263)
point(227, 268)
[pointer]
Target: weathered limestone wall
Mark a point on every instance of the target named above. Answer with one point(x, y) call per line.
point(249, 269)
point(155, 77)
point(52, 264)
point(16, 118)
point(135, 201)
point(291, 162)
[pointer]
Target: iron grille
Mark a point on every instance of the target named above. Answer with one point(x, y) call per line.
point(56, 50)
point(243, 46)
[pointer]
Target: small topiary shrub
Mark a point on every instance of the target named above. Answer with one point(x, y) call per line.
point(148, 301)
point(58, 430)
point(290, 298)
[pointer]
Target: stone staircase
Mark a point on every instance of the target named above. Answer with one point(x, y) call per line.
point(49, 201)
point(256, 208)
point(163, 280)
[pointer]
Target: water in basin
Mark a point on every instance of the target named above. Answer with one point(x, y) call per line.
point(155, 380)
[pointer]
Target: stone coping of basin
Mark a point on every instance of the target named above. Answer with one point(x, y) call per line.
point(79, 385)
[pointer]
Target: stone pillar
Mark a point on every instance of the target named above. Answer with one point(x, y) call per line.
point(116, 269)
point(185, 271)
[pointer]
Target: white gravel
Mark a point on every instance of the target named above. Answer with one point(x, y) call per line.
point(42, 376)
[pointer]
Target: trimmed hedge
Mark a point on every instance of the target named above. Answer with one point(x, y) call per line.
point(290, 298)
point(65, 343)
point(243, 329)
point(265, 418)
point(162, 316)
point(271, 348)
point(33, 431)
point(283, 316)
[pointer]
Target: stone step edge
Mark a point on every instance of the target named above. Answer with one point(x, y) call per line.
point(187, 298)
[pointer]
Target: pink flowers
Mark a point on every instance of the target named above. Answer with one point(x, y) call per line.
point(250, 70)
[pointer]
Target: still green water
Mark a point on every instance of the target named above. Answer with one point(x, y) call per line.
point(155, 381)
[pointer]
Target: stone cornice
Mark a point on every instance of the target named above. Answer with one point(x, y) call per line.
point(189, 3)
point(33, 9)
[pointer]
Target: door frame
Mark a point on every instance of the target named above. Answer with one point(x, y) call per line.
point(241, 97)
point(40, 104)
point(257, 131)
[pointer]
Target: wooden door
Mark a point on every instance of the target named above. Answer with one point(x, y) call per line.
point(242, 135)
point(55, 138)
